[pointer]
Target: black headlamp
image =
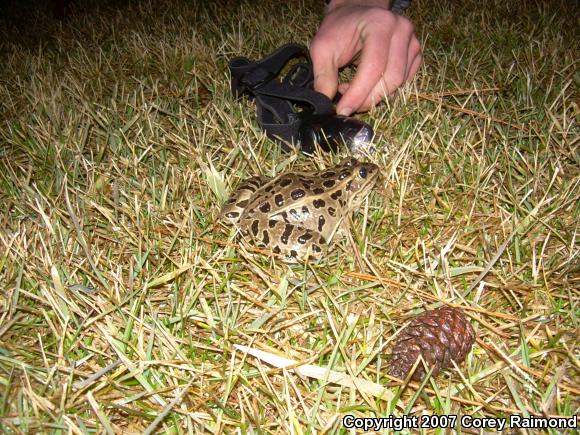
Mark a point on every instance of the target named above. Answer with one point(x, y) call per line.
point(289, 110)
point(330, 131)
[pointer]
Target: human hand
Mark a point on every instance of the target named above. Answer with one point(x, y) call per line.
point(382, 44)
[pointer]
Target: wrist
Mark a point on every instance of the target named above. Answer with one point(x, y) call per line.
point(335, 4)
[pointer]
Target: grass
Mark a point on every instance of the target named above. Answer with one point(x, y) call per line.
point(123, 300)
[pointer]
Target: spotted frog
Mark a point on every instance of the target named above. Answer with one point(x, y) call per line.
point(298, 214)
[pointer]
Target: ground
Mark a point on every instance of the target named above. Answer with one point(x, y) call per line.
point(123, 299)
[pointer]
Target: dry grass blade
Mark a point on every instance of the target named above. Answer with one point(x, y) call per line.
point(102, 417)
point(153, 426)
point(459, 109)
point(320, 373)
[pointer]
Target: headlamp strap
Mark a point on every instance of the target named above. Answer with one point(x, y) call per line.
point(281, 103)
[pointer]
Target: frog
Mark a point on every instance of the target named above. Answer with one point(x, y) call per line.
point(299, 215)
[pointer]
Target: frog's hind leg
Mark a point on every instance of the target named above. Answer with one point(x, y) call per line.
point(234, 206)
point(293, 242)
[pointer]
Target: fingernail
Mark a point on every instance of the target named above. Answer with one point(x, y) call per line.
point(345, 111)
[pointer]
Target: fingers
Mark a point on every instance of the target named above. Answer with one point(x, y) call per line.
point(396, 72)
point(381, 44)
point(384, 87)
point(324, 67)
point(373, 62)
point(415, 58)
point(404, 48)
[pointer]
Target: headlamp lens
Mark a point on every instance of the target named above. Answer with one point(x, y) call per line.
point(331, 130)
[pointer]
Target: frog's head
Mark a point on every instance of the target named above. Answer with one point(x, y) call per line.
point(358, 178)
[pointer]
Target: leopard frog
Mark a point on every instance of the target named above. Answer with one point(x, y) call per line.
point(297, 214)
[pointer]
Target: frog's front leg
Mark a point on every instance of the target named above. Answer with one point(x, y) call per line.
point(292, 241)
point(235, 205)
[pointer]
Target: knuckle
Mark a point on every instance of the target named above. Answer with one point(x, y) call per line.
point(319, 44)
point(382, 16)
point(406, 25)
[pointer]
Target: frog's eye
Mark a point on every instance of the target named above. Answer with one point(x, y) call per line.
point(363, 172)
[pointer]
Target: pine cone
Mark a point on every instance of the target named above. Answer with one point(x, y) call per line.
point(439, 336)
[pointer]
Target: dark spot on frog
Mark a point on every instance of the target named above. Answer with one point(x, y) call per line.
point(287, 233)
point(285, 216)
point(316, 248)
point(321, 222)
point(343, 175)
point(332, 211)
point(318, 190)
point(305, 212)
point(328, 183)
point(272, 223)
point(297, 194)
point(265, 237)
point(293, 253)
point(306, 185)
point(348, 185)
point(285, 182)
point(336, 195)
point(243, 203)
point(265, 207)
point(304, 238)
point(329, 174)
point(276, 250)
point(322, 241)
point(318, 203)
point(255, 227)
point(279, 199)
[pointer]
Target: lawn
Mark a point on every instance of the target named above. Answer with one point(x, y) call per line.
point(124, 302)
